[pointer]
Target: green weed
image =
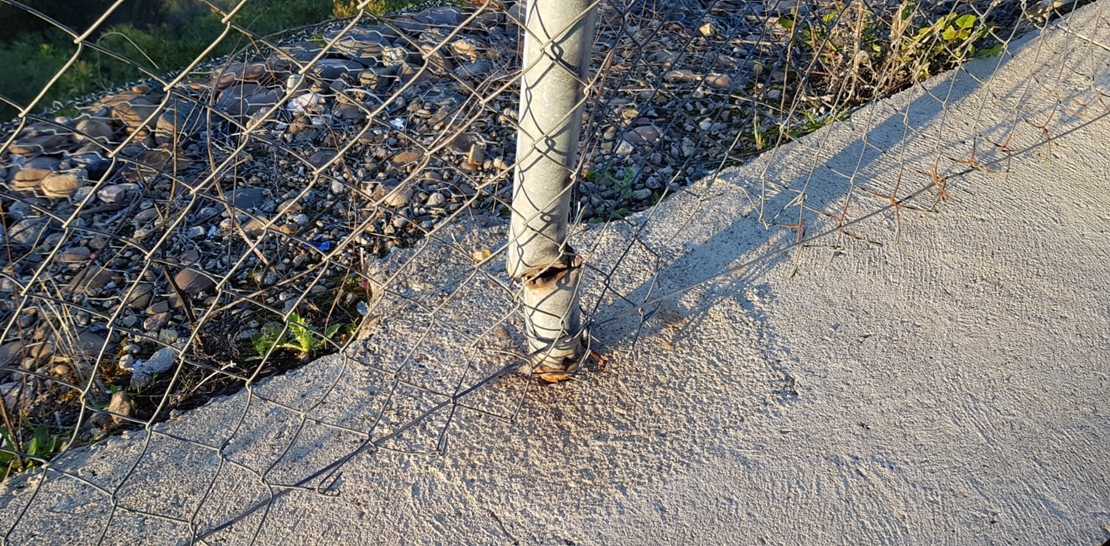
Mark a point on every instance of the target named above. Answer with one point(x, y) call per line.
point(18, 456)
point(861, 54)
point(299, 337)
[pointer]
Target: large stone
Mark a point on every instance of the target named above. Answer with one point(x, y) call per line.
point(44, 144)
point(435, 59)
point(135, 111)
point(29, 179)
point(407, 156)
point(28, 231)
point(350, 112)
point(239, 72)
point(255, 103)
point(140, 296)
point(11, 353)
point(467, 47)
point(109, 102)
point(74, 255)
point(369, 78)
point(120, 406)
point(233, 96)
point(90, 281)
point(681, 75)
point(152, 162)
point(644, 134)
point(397, 197)
point(463, 142)
point(94, 129)
point(411, 73)
point(394, 57)
point(90, 156)
point(192, 282)
point(161, 361)
point(182, 118)
point(318, 159)
point(718, 81)
point(302, 52)
point(362, 44)
point(333, 69)
point(118, 193)
point(61, 185)
point(88, 344)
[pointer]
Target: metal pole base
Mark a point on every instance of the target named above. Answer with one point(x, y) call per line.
point(552, 319)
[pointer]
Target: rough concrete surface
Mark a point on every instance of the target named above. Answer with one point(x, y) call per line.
point(935, 375)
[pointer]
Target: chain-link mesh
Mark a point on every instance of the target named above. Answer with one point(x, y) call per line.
point(333, 203)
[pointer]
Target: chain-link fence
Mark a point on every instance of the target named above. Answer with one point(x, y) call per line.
point(336, 202)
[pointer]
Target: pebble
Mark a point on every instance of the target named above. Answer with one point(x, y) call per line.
point(644, 134)
point(678, 76)
point(120, 406)
point(718, 81)
point(154, 323)
point(168, 336)
point(111, 194)
point(436, 199)
point(158, 308)
point(407, 156)
point(397, 197)
point(192, 282)
point(76, 254)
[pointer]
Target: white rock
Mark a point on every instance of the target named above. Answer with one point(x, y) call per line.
point(162, 360)
point(301, 103)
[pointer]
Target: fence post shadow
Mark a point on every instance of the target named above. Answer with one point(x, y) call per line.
point(735, 247)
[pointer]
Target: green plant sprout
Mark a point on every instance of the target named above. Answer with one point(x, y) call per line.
point(42, 445)
point(300, 337)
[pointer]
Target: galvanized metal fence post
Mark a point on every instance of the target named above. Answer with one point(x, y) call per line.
point(559, 37)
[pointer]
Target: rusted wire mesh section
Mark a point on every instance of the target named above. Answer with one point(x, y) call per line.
point(340, 195)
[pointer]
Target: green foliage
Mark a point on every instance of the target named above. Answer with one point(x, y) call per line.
point(863, 54)
point(300, 337)
point(946, 42)
point(41, 445)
